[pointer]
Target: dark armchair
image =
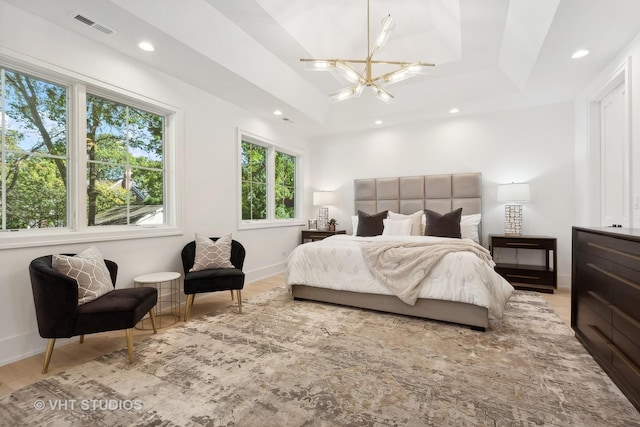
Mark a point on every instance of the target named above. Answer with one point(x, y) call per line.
point(59, 316)
point(212, 280)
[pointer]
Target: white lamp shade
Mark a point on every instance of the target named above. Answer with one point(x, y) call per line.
point(513, 192)
point(322, 198)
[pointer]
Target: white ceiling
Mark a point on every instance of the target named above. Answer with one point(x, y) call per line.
point(489, 54)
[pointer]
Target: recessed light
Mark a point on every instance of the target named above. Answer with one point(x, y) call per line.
point(277, 112)
point(146, 46)
point(454, 110)
point(579, 53)
point(377, 122)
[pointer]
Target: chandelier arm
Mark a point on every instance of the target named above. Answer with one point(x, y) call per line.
point(424, 64)
point(365, 61)
point(369, 53)
point(367, 67)
point(332, 60)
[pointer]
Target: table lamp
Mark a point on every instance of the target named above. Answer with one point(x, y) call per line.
point(513, 194)
point(322, 199)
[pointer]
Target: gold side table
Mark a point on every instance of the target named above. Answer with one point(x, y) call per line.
point(167, 310)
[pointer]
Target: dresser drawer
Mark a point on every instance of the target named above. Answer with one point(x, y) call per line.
point(627, 373)
point(617, 284)
point(626, 334)
point(596, 330)
point(596, 303)
point(619, 251)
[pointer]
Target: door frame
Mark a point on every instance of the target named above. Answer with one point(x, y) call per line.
point(621, 75)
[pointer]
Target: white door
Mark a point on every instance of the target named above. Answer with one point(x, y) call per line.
point(614, 157)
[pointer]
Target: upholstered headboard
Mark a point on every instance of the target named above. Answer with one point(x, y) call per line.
point(406, 195)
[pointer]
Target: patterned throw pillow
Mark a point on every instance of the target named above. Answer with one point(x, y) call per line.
point(210, 254)
point(89, 270)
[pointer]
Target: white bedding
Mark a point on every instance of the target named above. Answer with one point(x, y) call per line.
point(337, 263)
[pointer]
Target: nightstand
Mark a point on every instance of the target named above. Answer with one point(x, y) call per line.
point(313, 235)
point(543, 278)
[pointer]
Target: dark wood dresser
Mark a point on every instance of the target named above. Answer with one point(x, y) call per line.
point(605, 301)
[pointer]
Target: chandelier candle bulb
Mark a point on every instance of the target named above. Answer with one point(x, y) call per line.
point(319, 65)
point(346, 93)
point(349, 73)
point(382, 94)
point(385, 31)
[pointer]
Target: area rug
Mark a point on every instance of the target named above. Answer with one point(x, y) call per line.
point(299, 363)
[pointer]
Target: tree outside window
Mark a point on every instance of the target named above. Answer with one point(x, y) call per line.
point(285, 186)
point(254, 181)
point(34, 142)
point(268, 182)
point(125, 158)
point(124, 163)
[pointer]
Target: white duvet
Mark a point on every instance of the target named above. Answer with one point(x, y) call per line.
point(337, 263)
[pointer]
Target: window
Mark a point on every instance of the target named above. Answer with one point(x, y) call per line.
point(254, 181)
point(121, 145)
point(124, 164)
point(285, 185)
point(268, 182)
point(34, 152)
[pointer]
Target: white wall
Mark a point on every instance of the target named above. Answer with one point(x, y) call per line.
point(586, 152)
point(532, 145)
point(208, 166)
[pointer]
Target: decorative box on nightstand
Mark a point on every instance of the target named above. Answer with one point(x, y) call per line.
point(313, 235)
point(543, 278)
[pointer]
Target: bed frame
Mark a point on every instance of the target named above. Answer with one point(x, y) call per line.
point(440, 193)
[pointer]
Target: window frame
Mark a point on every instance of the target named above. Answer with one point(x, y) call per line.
point(77, 230)
point(271, 147)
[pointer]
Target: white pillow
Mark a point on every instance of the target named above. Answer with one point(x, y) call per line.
point(400, 227)
point(89, 270)
point(469, 227)
point(210, 254)
point(354, 224)
point(416, 221)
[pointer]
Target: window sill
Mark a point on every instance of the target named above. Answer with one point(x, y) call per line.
point(243, 225)
point(35, 238)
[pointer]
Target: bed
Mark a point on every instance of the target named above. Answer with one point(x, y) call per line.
point(461, 287)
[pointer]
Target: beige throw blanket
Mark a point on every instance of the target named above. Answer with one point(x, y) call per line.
point(403, 266)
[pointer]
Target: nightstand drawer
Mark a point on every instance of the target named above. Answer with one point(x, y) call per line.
point(522, 276)
point(519, 243)
point(315, 235)
point(529, 275)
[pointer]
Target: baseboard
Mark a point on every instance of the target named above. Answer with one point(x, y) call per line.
point(20, 347)
point(564, 281)
point(263, 273)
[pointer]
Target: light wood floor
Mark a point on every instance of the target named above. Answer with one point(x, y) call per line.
point(27, 371)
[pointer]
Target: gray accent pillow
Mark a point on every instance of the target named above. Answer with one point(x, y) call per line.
point(370, 225)
point(447, 225)
point(89, 270)
point(210, 254)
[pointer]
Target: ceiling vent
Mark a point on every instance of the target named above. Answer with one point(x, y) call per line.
point(93, 24)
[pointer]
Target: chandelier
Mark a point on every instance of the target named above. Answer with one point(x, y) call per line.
point(358, 80)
